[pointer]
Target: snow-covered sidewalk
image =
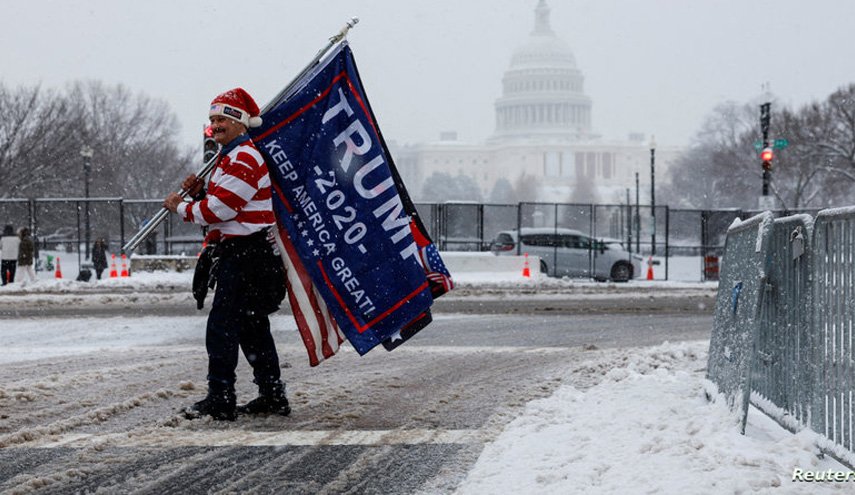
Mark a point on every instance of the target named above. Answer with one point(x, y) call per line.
point(646, 428)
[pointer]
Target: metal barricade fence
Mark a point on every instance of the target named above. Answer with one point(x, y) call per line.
point(802, 353)
point(784, 369)
point(834, 246)
point(736, 321)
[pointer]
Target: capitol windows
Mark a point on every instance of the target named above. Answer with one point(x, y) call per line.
point(580, 164)
point(607, 165)
point(552, 164)
point(591, 163)
point(567, 164)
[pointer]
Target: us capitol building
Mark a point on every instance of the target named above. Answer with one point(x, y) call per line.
point(543, 131)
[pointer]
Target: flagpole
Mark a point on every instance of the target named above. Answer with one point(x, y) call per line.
point(161, 215)
point(334, 40)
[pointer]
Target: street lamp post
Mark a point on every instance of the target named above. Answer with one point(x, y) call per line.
point(86, 152)
point(653, 195)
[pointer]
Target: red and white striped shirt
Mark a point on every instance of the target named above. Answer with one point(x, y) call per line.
point(238, 198)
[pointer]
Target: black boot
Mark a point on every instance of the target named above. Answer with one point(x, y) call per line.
point(219, 405)
point(270, 400)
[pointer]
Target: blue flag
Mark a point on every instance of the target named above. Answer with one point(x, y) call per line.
point(341, 209)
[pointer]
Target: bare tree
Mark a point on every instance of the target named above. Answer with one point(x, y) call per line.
point(34, 132)
point(817, 169)
point(502, 192)
point(441, 187)
point(132, 137)
point(584, 191)
point(719, 168)
point(526, 187)
point(135, 152)
point(799, 174)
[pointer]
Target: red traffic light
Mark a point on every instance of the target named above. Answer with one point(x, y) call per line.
point(766, 155)
point(208, 131)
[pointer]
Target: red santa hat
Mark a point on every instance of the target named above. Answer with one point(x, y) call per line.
point(238, 105)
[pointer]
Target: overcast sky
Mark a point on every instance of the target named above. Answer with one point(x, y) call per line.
point(655, 66)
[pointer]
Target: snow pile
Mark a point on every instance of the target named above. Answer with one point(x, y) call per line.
point(646, 428)
point(147, 281)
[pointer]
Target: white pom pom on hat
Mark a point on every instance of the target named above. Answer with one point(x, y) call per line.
point(238, 105)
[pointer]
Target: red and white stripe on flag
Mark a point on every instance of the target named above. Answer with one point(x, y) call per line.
point(316, 325)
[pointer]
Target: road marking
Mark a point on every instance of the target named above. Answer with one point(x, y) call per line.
point(171, 438)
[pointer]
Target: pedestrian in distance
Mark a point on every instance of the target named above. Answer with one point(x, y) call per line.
point(9, 245)
point(99, 256)
point(26, 255)
point(244, 263)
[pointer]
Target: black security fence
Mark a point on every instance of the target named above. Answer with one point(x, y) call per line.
point(73, 224)
point(663, 233)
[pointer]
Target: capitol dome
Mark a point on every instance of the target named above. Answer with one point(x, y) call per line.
point(543, 94)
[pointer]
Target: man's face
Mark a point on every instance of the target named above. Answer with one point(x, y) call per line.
point(225, 129)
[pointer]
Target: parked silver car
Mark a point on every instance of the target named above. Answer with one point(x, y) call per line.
point(567, 252)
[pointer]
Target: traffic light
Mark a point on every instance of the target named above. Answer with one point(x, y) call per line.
point(210, 148)
point(766, 155)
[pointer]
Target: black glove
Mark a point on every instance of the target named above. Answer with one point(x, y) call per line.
point(202, 279)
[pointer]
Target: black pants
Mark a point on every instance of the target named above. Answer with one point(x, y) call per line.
point(233, 322)
point(8, 268)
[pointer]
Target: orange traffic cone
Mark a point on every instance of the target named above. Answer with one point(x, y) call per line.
point(650, 268)
point(125, 266)
point(113, 272)
point(58, 272)
point(526, 269)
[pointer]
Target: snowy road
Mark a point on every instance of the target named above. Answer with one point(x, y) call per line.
point(89, 402)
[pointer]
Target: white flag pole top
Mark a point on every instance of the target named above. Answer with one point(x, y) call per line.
point(161, 215)
point(334, 40)
point(347, 27)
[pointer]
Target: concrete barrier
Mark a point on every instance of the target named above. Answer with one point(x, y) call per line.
point(457, 262)
point(162, 263)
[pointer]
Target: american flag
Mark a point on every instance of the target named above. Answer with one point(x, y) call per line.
point(435, 270)
point(317, 328)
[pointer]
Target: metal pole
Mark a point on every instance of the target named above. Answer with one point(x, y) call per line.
point(209, 166)
point(653, 197)
point(86, 152)
point(34, 227)
point(554, 237)
point(335, 39)
point(481, 227)
point(519, 227)
point(122, 221)
point(667, 235)
point(592, 228)
point(637, 218)
point(628, 221)
point(87, 223)
point(704, 221)
point(77, 241)
point(765, 120)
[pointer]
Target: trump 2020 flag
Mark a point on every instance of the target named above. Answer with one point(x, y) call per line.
point(359, 260)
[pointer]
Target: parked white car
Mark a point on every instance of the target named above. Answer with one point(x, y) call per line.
point(570, 253)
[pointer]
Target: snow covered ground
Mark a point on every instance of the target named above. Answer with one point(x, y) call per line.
point(649, 423)
point(645, 424)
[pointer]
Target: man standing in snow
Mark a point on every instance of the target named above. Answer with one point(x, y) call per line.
point(249, 276)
